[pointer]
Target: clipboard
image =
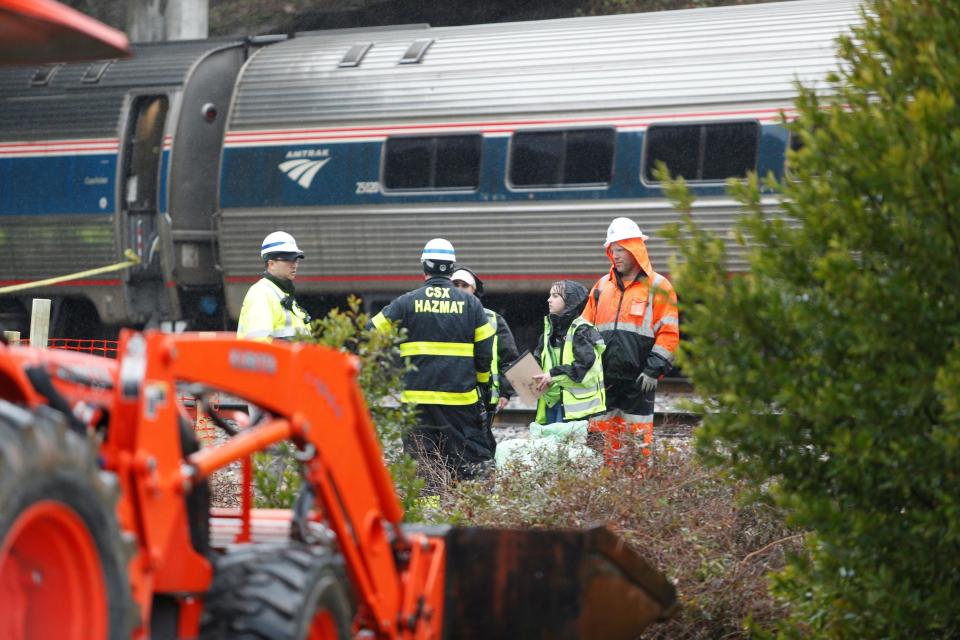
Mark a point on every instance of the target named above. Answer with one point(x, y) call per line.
point(520, 374)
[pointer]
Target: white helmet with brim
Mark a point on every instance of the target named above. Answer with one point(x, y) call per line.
point(280, 244)
point(622, 229)
point(438, 257)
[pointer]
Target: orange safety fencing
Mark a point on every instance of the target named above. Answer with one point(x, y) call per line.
point(107, 348)
point(207, 434)
point(203, 426)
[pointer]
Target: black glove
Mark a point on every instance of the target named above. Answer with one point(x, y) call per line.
point(656, 366)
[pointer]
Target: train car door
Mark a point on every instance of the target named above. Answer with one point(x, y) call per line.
point(140, 189)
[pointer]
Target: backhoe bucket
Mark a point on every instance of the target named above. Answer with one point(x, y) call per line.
point(549, 584)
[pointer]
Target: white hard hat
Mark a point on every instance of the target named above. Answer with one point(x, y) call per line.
point(438, 249)
point(279, 242)
point(622, 229)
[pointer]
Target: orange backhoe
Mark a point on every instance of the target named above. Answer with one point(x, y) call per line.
point(106, 529)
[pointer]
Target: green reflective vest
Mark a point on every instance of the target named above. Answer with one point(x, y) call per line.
point(495, 363)
point(580, 399)
point(263, 316)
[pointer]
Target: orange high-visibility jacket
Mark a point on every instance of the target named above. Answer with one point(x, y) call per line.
point(640, 337)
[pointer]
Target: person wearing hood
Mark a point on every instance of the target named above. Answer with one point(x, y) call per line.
point(635, 310)
point(569, 352)
point(270, 309)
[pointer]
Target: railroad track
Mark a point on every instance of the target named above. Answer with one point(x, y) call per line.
point(670, 419)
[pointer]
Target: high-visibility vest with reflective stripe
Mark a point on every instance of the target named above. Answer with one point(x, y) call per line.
point(263, 316)
point(495, 363)
point(580, 399)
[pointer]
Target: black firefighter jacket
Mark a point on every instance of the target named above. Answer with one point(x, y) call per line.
point(449, 341)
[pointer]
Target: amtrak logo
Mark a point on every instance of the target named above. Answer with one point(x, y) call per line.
point(302, 168)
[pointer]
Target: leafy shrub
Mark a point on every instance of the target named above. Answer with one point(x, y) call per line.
point(277, 474)
point(832, 367)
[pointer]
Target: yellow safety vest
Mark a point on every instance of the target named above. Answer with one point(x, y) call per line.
point(495, 362)
point(580, 399)
point(263, 316)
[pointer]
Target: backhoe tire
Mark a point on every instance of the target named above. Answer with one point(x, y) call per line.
point(63, 561)
point(278, 591)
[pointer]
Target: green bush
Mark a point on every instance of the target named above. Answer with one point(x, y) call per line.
point(833, 369)
point(277, 474)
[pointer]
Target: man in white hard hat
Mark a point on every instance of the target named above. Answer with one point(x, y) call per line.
point(270, 309)
point(635, 310)
point(449, 341)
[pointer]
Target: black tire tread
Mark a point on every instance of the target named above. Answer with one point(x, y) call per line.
point(262, 591)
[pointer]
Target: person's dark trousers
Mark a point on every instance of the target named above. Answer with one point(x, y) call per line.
point(488, 416)
point(454, 436)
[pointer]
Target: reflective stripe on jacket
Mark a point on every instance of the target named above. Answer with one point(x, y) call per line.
point(580, 399)
point(495, 360)
point(449, 341)
point(264, 317)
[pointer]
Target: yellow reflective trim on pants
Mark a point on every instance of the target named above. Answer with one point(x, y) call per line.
point(436, 349)
point(484, 332)
point(483, 377)
point(381, 322)
point(440, 397)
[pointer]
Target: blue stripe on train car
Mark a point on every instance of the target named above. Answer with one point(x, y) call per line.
point(164, 181)
point(348, 173)
point(39, 185)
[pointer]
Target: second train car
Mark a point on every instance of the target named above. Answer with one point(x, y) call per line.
point(518, 142)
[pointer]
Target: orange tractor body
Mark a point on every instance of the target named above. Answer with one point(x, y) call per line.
point(106, 528)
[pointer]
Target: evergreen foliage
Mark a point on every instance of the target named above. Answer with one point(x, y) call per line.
point(833, 367)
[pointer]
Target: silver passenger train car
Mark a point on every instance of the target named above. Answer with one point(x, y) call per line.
point(517, 142)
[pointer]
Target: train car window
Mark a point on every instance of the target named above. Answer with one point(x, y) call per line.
point(354, 55)
point(561, 158)
point(676, 146)
point(142, 155)
point(589, 157)
point(796, 142)
point(408, 163)
point(95, 71)
point(730, 150)
point(703, 152)
point(458, 162)
point(536, 159)
point(43, 74)
point(415, 52)
point(438, 162)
